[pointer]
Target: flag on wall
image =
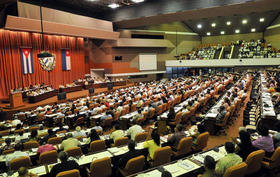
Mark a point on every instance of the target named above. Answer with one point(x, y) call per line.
point(66, 62)
point(26, 60)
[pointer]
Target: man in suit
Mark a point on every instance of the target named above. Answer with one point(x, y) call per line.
point(129, 155)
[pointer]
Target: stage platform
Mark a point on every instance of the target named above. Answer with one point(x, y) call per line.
point(52, 100)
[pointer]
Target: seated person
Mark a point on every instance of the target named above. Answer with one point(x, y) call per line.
point(34, 136)
point(18, 153)
point(128, 155)
point(264, 141)
point(209, 167)
point(65, 164)
point(229, 160)
point(222, 112)
point(106, 116)
point(23, 172)
point(139, 115)
point(92, 136)
point(7, 145)
point(78, 132)
point(69, 142)
point(174, 139)
point(51, 134)
point(21, 136)
point(118, 133)
point(152, 144)
point(45, 148)
point(134, 130)
point(245, 147)
point(200, 129)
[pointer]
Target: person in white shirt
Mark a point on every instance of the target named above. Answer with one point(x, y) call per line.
point(17, 154)
point(134, 130)
point(15, 122)
point(118, 133)
point(78, 132)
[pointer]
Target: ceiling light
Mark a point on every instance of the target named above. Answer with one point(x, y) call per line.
point(208, 33)
point(213, 24)
point(137, 1)
point(244, 21)
point(199, 26)
point(222, 32)
point(228, 23)
point(237, 31)
point(261, 19)
point(113, 5)
point(253, 30)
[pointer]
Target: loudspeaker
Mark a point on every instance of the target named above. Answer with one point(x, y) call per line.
point(61, 96)
point(91, 90)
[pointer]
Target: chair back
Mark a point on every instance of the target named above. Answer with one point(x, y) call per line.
point(133, 107)
point(152, 113)
point(135, 165)
point(33, 128)
point(54, 140)
point(97, 145)
point(162, 155)
point(101, 167)
point(178, 117)
point(238, 170)
point(19, 130)
point(121, 141)
point(15, 164)
point(202, 140)
point(80, 121)
point(30, 144)
point(141, 137)
point(4, 132)
point(159, 109)
point(8, 151)
point(254, 160)
point(69, 173)
point(184, 146)
point(48, 157)
point(275, 159)
point(164, 107)
point(108, 122)
point(117, 116)
point(74, 152)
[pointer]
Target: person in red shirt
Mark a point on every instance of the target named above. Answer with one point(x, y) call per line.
point(45, 148)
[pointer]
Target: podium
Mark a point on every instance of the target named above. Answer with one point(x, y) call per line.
point(16, 100)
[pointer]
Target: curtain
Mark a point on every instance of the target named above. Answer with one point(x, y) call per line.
point(11, 75)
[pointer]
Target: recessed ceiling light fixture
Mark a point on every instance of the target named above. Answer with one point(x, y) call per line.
point(213, 24)
point(208, 33)
point(244, 21)
point(261, 19)
point(228, 23)
point(253, 30)
point(222, 32)
point(199, 26)
point(137, 1)
point(113, 5)
point(237, 31)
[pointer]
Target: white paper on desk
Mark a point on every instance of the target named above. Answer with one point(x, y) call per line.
point(199, 158)
point(163, 139)
point(172, 168)
point(185, 165)
point(38, 170)
point(34, 149)
point(114, 150)
point(154, 173)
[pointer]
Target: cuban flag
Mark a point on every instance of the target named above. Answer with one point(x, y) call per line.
point(26, 60)
point(66, 62)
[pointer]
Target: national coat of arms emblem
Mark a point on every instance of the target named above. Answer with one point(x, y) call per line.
point(48, 63)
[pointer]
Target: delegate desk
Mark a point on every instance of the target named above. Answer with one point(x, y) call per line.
point(268, 115)
point(37, 98)
point(71, 89)
point(188, 166)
